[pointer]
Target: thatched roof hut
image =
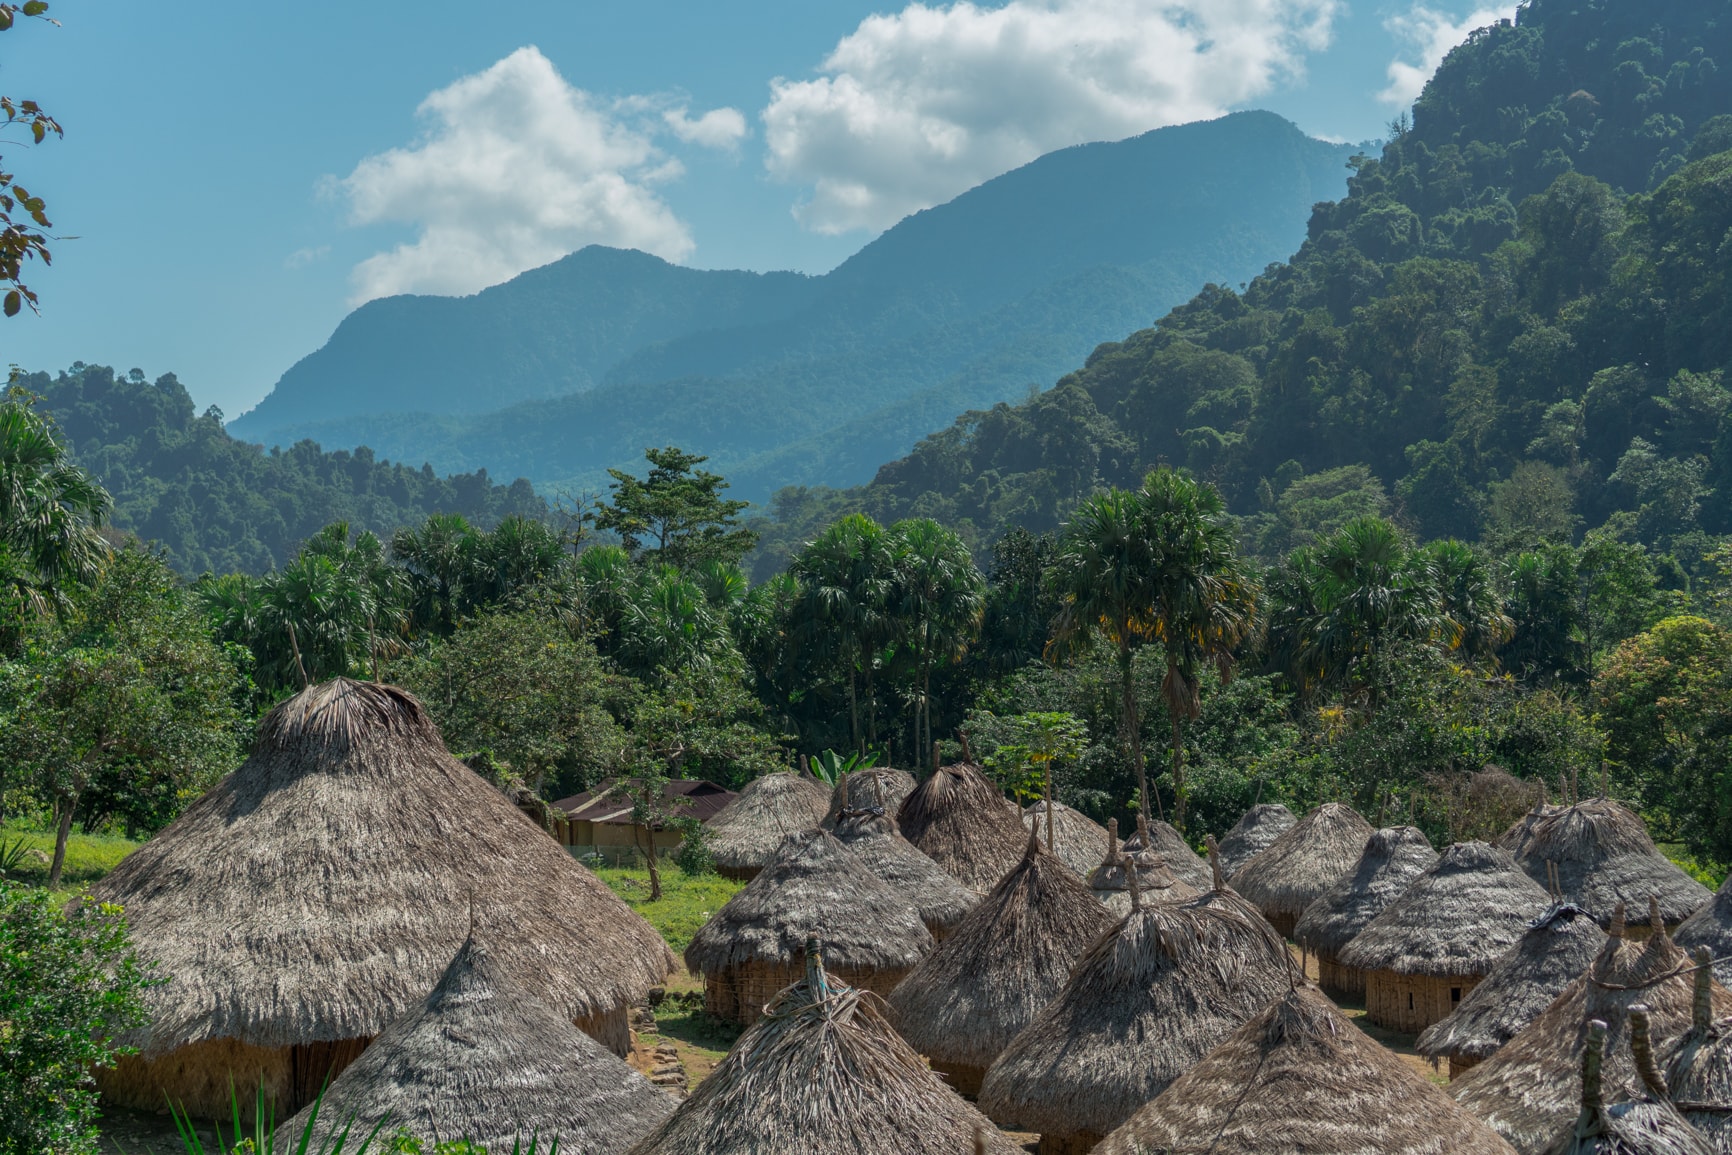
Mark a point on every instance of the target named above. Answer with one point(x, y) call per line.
point(1302, 863)
point(1699, 1070)
point(1192, 868)
point(875, 786)
point(1603, 856)
point(1555, 950)
point(1110, 881)
point(1520, 836)
point(1256, 829)
point(315, 895)
point(1634, 1127)
point(1393, 857)
point(823, 1071)
point(1076, 838)
point(871, 834)
point(1711, 926)
point(748, 833)
point(1432, 945)
point(755, 945)
point(966, 1000)
point(962, 821)
point(1150, 998)
point(1530, 1089)
point(481, 1060)
point(1300, 1077)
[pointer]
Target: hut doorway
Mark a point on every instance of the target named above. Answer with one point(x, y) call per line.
point(313, 1065)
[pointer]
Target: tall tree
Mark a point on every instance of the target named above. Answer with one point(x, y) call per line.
point(676, 514)
point(937, 600)
point(50, 509)
point(846, 577)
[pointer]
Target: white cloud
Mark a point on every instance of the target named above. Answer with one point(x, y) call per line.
point(913, 108)
point(1429, 35)
point(717, 128)
point(301, 258)
point(517, 168)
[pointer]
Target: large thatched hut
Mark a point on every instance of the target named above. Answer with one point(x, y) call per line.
point(1520, 835)
point(1553, 952)
point(1150, 998)
point(875, 786)
point(1699, 1069)
point(1110, 880)
point(823, 1071)
point(1711, 927)
point(755, 945)
point(1191, 868)
point(1633, 1127)
point(478, 1059)
point(966, 1000)
point(1076, 838)
point(747, 834)
point(1302, 863)
point(1442, 935)
point(962, 821)
point(1300, 1077)
point(1530, 1089)
point(1601, 855)
point(871, 834)
point(1393, 857)
point(319, 892)
point(1255, 831)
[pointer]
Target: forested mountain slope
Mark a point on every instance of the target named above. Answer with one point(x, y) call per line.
point(956, 307)
point(220, 505)
point(1514, 326)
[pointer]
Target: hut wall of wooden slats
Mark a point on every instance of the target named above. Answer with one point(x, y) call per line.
point(1337, 981)
point(1080, 1143)
point(1282, 921)
point(206, 1079)
point(1411, 1003)
point(740, 993)
point(1460, 1065)
point(965, 1080)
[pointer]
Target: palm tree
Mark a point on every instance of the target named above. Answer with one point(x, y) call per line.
point(1469, 598)
point(50, 509)
point(846, 576)
point(937, 604)
point(440, 559)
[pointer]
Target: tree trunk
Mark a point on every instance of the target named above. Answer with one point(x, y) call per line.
point(926, 707)
point(1128, 719)
point(62, 831)
point(854, 713)
point(654, 872)
point(1178, 772)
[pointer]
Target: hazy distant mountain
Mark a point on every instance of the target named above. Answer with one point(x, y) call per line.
point(785, 379)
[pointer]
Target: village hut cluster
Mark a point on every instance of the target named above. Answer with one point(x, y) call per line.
point(917, 967)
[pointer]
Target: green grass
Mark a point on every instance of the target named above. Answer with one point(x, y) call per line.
point(88, 856)
point(686, 903)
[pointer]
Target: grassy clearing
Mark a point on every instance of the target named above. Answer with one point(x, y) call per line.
point(686, 902)
point(88, 856)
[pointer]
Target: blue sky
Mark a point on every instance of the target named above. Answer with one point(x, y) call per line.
point(237, 176)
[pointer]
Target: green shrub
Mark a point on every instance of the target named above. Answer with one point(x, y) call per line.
point(694, 857)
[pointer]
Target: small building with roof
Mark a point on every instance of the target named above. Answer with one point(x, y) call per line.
point(1304, 862)
point(1393, 857)
point(871, 834)
point(1076, 838)
point(1110, 880)
point(1256, 829)
point(1190, 867)
point(748, 832)
point(598, 822)
point(883, 786)
point(961, 820)
point(1711, 927)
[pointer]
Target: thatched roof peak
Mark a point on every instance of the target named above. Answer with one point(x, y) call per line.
point(1077, 838)
point(872, 835)
point(1300, 1077)
point(1304, 861)
point(1711, 927)
point(321, 890)
point(1393, 857)
point(1253, 833)
point(748, 832)
point(823, 1071)
point(875, 786)
point(483, 1060)
point(1633, 1127)
point(1699, 1069)
point(1603, 855)
point(1164, 840)
point(815, 886)
point(961, 820)
point(1456, 918)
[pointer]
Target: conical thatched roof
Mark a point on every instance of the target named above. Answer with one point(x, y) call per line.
point(1150, 998)
point(1077, 838)
point(748, 832)
point(1711, 926)
point(1304, 862)
point(960, 820)
point(1300, 1077)
point(823, 1072)
point(877, 786)
point(1604, 856)
point(1632, 1127)
point(1193, 870)
point(1699, 1070)
point(1393, 857)
point(1255, 831)
point(1520, 836)
point(1110, 881)
point(1554, 951)
point(1530, 1090)
point(966, 1000)
point(814, 884)
point(320, 891)
point(1455, 919)
point(939, 899)
point(478, 1059)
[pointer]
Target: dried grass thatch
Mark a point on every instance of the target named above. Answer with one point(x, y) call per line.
point(1253, 834)
point(1604, 857)
point(1300, 1077)
point(747, 834)
point(1303, 863)
point(1148, 1000)
point(1110, 881)
point(1634, 1127)
point(1076, 838)
point(871, 834)
point(961, 820)
point(873, 935)
point(1010, 957)
point(1555, 950)
point(1393, 857)
point(877, 786)
point(1530, 1089)
point(483, 1061)
point(1193, 870)
point(1699, 1070)
point(824, 1072)
point(1711, 927)
point(319, 892)
point(1520, 835)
